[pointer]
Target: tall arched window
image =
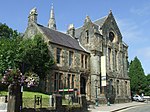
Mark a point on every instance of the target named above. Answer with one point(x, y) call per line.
point(118, 87)
point(87, 36)
point(111, 36)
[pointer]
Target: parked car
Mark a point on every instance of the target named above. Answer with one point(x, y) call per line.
point(138, 98)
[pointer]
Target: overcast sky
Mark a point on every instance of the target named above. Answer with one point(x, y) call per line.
point(132, 16)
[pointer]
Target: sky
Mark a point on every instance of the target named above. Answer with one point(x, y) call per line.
point(132, 16)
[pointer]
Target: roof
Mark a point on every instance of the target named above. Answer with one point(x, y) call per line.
point(100, 21)
point(61, 38)
point(97, 23)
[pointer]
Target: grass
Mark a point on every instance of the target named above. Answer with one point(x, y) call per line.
point(27, 94)
point(3, 93)
point(28, 99)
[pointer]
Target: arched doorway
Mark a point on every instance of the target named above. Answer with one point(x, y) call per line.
point(82, 85)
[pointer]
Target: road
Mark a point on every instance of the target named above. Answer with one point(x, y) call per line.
point(142, 108)
point(3, 107)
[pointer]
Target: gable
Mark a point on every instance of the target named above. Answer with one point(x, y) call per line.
point(110, 28)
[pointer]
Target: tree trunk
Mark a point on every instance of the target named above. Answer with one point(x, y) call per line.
point(15, 98)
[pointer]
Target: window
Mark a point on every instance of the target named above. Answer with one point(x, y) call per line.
point(111, 36)
point(82, 60)
point(123, 61)
point(69, 75)
point(73, 78)
point(109, 58)
point(116, 60)
point(117, 86)
point(87, 36)
point(56, 82)
point(86, 62)
point(70, 58)
point(58, 55)
point(126, 92)
point(60, 81)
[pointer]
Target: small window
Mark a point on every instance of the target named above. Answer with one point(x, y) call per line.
point(58, 55)
point(70, 58)
point(82, 60)
point(69, 75)
point(118, 87)
point(86, 62)
point(87, 36)
point(73, 78)
point(111, 36)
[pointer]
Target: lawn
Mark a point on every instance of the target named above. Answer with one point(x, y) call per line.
point(29, 99)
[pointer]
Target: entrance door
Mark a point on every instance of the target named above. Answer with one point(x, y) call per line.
point(82, 85)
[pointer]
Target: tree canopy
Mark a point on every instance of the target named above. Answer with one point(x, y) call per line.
point(6, 32)
point(29, 54)
point(137, 76)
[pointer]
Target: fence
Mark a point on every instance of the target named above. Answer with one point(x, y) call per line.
point(56, 102)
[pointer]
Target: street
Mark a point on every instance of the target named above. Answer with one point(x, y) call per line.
point(141, 108)
point(3, 107)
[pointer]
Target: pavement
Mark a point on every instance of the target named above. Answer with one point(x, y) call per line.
point(115, 107)
point(3, 107)
point(100, 108)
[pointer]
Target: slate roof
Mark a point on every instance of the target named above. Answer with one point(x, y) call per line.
point(97, 23)
point(101, 21)
point(61, 38)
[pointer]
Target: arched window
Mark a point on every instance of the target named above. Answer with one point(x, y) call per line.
point(118, 87)
point(111, 36)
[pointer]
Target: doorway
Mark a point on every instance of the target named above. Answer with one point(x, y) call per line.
point(82, 85)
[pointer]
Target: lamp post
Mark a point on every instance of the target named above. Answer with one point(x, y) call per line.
point(96, 99)
point(108, 96)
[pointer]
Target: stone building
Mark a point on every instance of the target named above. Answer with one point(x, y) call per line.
point(90, 60)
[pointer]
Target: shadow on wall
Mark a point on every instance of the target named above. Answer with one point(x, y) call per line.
point(110, 94)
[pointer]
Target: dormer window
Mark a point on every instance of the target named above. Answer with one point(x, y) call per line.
point(87, 36)
point(111, 36)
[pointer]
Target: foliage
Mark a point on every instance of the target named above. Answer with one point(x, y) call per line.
point(14, 76)
point(25, 54)
point(6, 32)
point(137, 76)
point(147, 89)
point(8, 52)
point(35, 56)
point(32, 79)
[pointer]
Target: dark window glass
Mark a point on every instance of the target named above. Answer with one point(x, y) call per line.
point(111, 36)
point(58, 55)
point(70, 58)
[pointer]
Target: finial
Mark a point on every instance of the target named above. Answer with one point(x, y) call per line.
point(110, 11)
point(87, 19)
point(33, 15)
point(52, 23)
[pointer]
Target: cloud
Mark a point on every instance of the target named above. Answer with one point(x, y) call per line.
point(144, 9)
point(130, 30)
point(134, 35)
point(144, 52)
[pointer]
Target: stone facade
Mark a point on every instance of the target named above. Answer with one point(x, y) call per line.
point(77, 54)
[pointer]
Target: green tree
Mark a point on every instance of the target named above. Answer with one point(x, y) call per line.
point(8, 51)
point(6, 32)
point(147, 89)
point(34, 56)
point(137, 76)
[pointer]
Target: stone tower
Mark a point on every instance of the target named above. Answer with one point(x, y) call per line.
point(52, 22)
point(33, 16)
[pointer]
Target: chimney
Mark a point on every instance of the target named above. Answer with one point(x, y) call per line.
point(71, 30)
point(33, 16)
